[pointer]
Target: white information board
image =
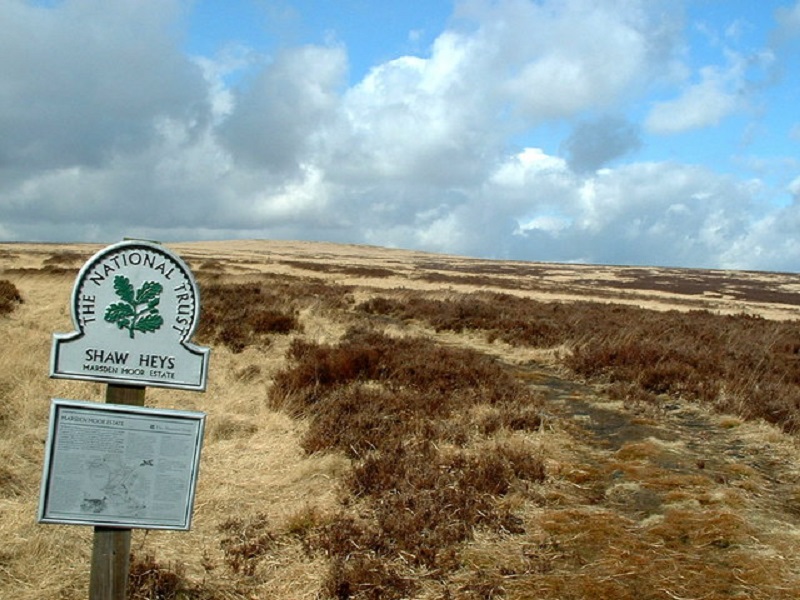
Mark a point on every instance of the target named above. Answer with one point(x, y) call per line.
point(120, 466)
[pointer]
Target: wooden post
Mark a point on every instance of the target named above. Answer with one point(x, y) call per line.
point(111, 552)
point(132, 395)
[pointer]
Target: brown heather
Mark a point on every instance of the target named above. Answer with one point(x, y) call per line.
point(398, 408)
point(398, 425)
point(741, 363)
point(9, 297)
point(239, 315)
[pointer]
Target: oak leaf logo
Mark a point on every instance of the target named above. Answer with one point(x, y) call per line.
point(138, 310)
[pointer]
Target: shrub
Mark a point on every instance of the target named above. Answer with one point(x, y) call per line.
point(9, 297)
point(65, 257)
point(150, 580)
point(361, 576)
point(240, 315)
point(391, 405)
point(439, 377)
point(245, 543)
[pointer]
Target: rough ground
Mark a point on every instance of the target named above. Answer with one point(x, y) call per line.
point(641, 502)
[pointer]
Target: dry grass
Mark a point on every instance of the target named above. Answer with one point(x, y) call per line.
point(374, 435)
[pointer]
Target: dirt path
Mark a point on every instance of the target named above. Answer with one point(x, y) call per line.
point(645, 461)
point(650, 503)
point(642, 462)
point(678, 457)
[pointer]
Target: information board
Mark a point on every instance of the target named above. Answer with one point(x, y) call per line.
point(120, 466)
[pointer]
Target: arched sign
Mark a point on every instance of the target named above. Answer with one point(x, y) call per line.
point(135, 307)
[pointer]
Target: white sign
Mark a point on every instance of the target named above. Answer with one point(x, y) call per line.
point(120, 466)
point(135, 306)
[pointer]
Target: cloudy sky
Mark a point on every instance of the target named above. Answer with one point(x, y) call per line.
point(637, 132)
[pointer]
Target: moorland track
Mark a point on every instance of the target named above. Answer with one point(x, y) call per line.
point(676, 437)
point(643, 461)
point(646, 501)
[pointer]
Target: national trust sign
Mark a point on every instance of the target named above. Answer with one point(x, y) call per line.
point(135, 306)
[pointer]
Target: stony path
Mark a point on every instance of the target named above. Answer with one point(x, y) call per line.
point(677, 455)
point(679, 452)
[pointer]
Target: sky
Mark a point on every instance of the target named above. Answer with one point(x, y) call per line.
point(627, 132)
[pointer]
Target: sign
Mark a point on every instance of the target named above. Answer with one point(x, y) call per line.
point(120, 466)
point(135, 306)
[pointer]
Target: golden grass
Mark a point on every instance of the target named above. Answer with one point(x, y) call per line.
point(689, 505)
point(251, 464)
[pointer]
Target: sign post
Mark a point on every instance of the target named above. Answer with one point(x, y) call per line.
point(135, 306)
point(111, 549)
point(111, 554)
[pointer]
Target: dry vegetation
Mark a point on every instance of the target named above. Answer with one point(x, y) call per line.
point(9, 297)
point(742, 364)
point(387, 424)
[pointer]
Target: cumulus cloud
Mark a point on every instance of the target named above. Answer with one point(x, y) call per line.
point(788, 19)
point(419, 121)
point(770, 243)
point(718, 91)
point(704, 103)
point(554, 59)
point(81, 81)
point(274, 118)
point(645, 213)
point(535, 206)
point(110, 130)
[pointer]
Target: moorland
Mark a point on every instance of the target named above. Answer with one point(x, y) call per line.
point(393, 424)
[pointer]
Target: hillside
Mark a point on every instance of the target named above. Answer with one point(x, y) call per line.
point(394, 424)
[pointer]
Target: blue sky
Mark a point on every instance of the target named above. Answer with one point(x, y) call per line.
point(641, 132)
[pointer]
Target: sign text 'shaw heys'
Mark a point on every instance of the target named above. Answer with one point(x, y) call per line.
point(135, 306)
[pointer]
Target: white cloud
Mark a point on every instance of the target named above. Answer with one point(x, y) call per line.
point(109, 130)
point(705, 103)
point(794, 187)
point(304, 199)
point(554, 58)
point(80, 82)
point(655, 213)
point(551, 224)
point(649, 213)
point(530, 161)
point(231, 60)
point(416, 120)
point(788, 19)
point(770, 243)
point(274, 120)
